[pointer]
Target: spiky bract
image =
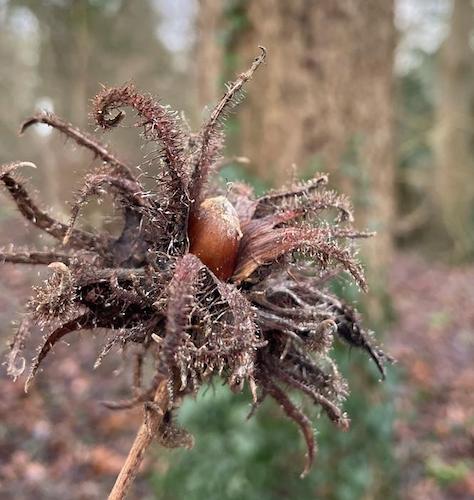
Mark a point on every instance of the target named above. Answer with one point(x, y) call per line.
point(272, 324)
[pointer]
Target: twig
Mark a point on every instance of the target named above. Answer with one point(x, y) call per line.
point(81, 138)
point(413, 221)
point(143, 439)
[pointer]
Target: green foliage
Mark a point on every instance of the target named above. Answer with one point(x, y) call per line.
point(447, 474)
point(262, 458)
point(233, 459)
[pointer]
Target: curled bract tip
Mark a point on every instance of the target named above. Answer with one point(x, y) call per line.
point(27, 164)
point(10, 167)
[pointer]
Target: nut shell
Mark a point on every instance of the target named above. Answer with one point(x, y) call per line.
point(214, 235)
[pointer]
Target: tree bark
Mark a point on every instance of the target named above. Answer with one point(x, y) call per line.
point(209, 53)
point(453, 134)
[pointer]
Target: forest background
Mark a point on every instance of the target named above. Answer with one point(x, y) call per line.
point(379, 94)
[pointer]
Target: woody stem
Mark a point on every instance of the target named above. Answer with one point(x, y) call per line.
point(143, 439)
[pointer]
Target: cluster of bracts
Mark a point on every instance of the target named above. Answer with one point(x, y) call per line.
point(207, 281)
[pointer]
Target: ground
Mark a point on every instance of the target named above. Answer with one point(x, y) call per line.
point(433, 340)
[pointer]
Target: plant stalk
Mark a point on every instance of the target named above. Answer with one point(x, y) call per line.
point(143, 439)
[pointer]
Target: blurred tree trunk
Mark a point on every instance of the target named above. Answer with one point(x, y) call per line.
point(454, 132)
point(324, 102)
point(209, 52)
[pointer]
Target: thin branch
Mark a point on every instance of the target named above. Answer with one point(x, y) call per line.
point(233, 89)
point(210, 140)
point(413, 220)
point(33, 257)
point(40, 219)
point(143, 439)
point(305, 188)
point(297, 416)
point(159, 123)
point(84, 322)
point(81, 138)
point(125, 188)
